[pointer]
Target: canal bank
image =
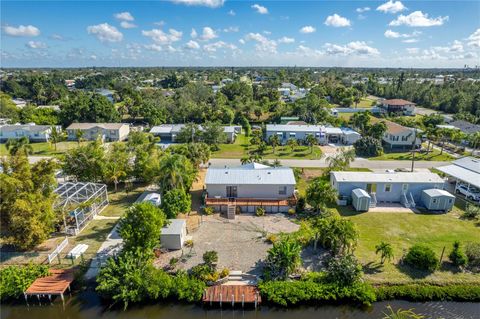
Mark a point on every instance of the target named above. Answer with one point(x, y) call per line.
point(88, 305)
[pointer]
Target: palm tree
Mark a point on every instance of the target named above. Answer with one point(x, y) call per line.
point(56, 136)
point(114, 173)
point(79, 136)
point(245, 160)
point(283, 259)
point(255, 157)
point(175, 171)
point(341, 161)
point(274, 141)
point(385, 250)
point(292, 142)
point(311, 141)
point(320, 193)
point(474, 140)
point(14, 146)
point(276, 163)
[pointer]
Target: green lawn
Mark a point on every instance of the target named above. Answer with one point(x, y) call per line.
point(120, 201)
point(365, 102)
point(242, 146)
point(431, 156)
point(402, 230)
point(45, 148)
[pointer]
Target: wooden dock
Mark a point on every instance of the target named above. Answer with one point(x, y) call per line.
point(55, 284)
point(232, 295)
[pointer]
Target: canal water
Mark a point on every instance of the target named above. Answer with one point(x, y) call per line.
point(87, 305)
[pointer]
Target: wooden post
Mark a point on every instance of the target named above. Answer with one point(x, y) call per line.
point(59, 259)
point(220, 300)
point(441, 256)
point(256, 301)
point(243, 300)
point(26, 298)
point(233, 300)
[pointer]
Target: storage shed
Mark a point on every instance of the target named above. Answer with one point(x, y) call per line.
point(437, 199)
point(174, 234)
point(360, 200)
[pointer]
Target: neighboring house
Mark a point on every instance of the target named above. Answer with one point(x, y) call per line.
point(388, 187)
point(323, 134)
point(20, 103)
point(108, 132)
point(169, 132)
point(464, 171)
point(398, 106)
point(70, 84)
point(466, 127)
point(349, 136)
point(400, 137)
point(106, 93)
point(250, 186)
point(34, 133)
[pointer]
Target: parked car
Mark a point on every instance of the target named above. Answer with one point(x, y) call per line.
point(471, 193)
point(153, 198)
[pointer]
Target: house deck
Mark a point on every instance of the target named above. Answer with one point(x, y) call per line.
point(250, 202)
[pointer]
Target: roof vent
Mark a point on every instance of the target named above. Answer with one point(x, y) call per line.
point(269, 173)
point(226, 172)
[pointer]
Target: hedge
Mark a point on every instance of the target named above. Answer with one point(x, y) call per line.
point(419, 292)
point(14, 280)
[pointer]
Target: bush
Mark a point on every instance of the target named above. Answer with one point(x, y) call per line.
point(272, 238)
point(224, 273)
point(472, 250)
point(173, 262)
point(472, 212)
point(176, 201)
point(343, 270)
point(300, 207)
point(291, 211)
point(189, 243)
point(210, 257)
point(260, 211)
point(187, 288)
point(422, 257)
point(16, 279)
point(425, 292)
point(208, 211)
point(368, 146)
point(201, 272)
point(457, 256)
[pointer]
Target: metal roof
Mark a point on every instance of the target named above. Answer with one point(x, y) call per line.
point(25, 127)
point(294, 128)
point(470, 163)
point(397, 177)
point(86, 126)
point(250, 175)
point(333, 130)
point(175, 227)
point(175, 128)
point(360, 192)
point(463, 174)
point(434, 192)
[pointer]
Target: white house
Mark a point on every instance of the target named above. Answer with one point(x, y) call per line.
point(34, 133)
point(106, 131)
point(401, 137)
point(250, 186)
point(169, 132)
point(298, 132)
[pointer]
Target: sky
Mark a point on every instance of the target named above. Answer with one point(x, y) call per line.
point(120, 33)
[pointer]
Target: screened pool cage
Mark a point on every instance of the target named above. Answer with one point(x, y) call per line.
point(80, 203)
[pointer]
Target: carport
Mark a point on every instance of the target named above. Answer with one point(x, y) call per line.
point(465, 170)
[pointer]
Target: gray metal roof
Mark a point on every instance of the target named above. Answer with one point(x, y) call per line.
point(175, 129)
point(175, 227)
point(250, 175)
point(470, 163)
point(360, 192)
point(462, 174)
point(434, 192)
point(294, 128)
point(397, 177)
point(25, 127)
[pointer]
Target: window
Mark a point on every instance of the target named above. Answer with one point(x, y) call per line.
point(113, 132)
point(282, 190)
point(434, 201)
point(450, 201)
point(404, 187)
point(388, 188)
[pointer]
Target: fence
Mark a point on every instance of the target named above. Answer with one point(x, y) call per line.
point(57, 250)
point(62, 260)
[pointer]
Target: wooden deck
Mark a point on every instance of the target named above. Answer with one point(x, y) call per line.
point(250, 202)
point(56, 283)
point(232, 295)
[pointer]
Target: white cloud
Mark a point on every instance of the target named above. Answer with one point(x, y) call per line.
point(266, 32)
point(362, 10)
point(93, 57)
point(263, 43)
point(337, 21)
point(193, 34)
point(57, 37)
point(418, 19)
point(231, 29)
point(286, 40)
point(162, 38)
point(21, 31)
point(455, 47)
point(208, 34)
point(105, 32)
point(260, 9)
point(391, 7)
point(192, 45)
point(474, 39)
point(124, 16)
point(412, 40)
point(213, 47)
point(153, 47)
point(203, 3)
point(231, 13)
point(36, 45)
point(352, 48)
point(242, 41)
point(412, 50)
point(307, 29)
point(160, 23)
point(395, 35)
point(127, 25)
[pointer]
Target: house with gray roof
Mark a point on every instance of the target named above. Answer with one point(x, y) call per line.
point(250, 186)
point(109, 132)
point(465, 170)
point(34, 133)
point(169, 132)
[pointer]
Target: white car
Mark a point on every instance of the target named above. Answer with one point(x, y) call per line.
point(153, 198)
point(472, 193)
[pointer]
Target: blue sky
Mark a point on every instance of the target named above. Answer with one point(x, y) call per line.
point(240, 33)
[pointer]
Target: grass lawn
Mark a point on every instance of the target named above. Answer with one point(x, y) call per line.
point(402, 230)
point(45, 148)
point(431, 156)
point(242, 146)
point(120, 201)
point(365, 102)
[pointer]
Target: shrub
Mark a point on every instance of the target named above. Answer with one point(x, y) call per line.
point(176, 201)
point(16, 279)
point(208, 211)
point(368, 146)
point(189, 243)
point(425, 292)
point(472, 250)
point(210, 257)
point(224, 273)
point(272, 238)
point(173, 262)
point(422, 257)
point(457, 256)
point(260, 211)
point(282, 259)
point(300, 207)
point(472, 212)
point(187, 288)
point(343, 270)
point(291, 211)
point(201, 272)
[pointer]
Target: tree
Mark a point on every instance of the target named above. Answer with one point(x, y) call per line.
point(385, 250)
point(282, 259)
point(141, 226)
point(377, 130)
point(175, 171)
point(86, 163)
point(197, 153)
point(341, 160)
point(311, 141)
point(56, 136)
point(343, 270)
point(360, 121)
point(368, 146)
point(20, 145)
point(213, 134)
point(176, 201)
point(320, 193)
point(210, 258)
point(79, 136)
point(421, 257)
point(292, 142)
point(337, 234)
point(256, 138)
point(190, 133)
point(117, 166)
point(274, 141)
point(457, 256)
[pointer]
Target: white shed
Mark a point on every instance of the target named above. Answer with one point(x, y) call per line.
point(174, 234)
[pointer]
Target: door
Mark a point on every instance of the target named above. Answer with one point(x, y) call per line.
point(371, 188)
point(231, 191)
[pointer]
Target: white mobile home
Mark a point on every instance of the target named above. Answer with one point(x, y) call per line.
point(250, 186)
point(395, 187)
point(298, 132)
point(108, 132)
point(34, 133)
point(168, 132)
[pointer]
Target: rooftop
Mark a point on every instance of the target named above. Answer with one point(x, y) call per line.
point(24, 127)
point(86, 126)
point(397, 102)
point(466, 127)
point(466, 169)
point(174, 227)
point(294, 128)
point(437, 192)
point(394, 128)
point(397, 177)
point(251, 174)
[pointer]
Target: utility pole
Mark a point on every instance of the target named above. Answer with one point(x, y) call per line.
point(413, 148)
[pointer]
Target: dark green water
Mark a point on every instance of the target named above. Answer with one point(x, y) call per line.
point(88, 306)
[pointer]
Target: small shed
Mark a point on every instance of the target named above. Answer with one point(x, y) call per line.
point(437, 199)
point(350, 136)
point(174, 234)
point(360, 200)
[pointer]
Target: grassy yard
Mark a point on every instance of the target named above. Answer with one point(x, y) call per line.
point(242, 146)
point(45, 149)
point(365, 102)
point(431, 156)
point(120, 201)
point(402, 230)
